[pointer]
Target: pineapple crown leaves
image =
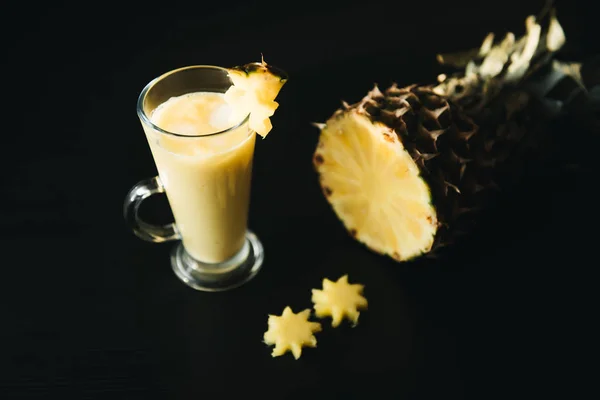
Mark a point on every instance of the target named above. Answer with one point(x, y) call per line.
point(512, 64)
point(494, 66)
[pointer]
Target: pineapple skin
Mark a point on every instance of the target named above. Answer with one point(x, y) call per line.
point(262, 67)
point(456, 159)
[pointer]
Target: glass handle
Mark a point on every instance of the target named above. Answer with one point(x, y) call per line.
point(144, 230)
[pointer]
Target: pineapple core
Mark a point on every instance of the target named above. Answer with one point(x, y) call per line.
point(374, 186)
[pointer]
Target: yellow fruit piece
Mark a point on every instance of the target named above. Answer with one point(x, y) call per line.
point(339, 300)
point(255, 87)
point(291, 332)
point(374, 186)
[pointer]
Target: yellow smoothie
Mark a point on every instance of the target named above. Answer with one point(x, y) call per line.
point(206, 178)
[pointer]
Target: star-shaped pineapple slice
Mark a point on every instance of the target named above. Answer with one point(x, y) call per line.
point(291, 332)
point(338, 300)
point(255, 87)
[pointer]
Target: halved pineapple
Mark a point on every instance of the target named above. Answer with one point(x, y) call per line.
point(255, 87)
point(407, 170)
point(374, 186)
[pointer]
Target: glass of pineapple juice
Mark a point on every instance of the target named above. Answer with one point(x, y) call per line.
point(204, 165)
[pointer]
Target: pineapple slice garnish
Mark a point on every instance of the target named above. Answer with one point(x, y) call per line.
point(291, 332)
point(339, 300)
point(255, 87)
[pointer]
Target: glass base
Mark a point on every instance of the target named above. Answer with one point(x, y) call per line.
point(222, 276)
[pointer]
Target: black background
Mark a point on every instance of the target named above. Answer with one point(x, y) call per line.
point(90, 311)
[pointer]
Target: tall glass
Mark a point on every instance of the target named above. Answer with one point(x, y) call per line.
point(206, 179)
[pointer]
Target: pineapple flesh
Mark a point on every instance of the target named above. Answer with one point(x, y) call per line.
point(255, 87)
point(374, 186)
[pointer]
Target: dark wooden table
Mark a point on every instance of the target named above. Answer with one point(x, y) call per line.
point(90, 311)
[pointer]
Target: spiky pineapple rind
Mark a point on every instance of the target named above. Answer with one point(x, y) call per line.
point(262, 67)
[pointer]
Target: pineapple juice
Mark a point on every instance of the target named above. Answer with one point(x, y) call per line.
point(206, 178)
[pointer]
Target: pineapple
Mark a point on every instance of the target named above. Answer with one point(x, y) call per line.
point(397, 168)
point(255, 87)
point(405, 169)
